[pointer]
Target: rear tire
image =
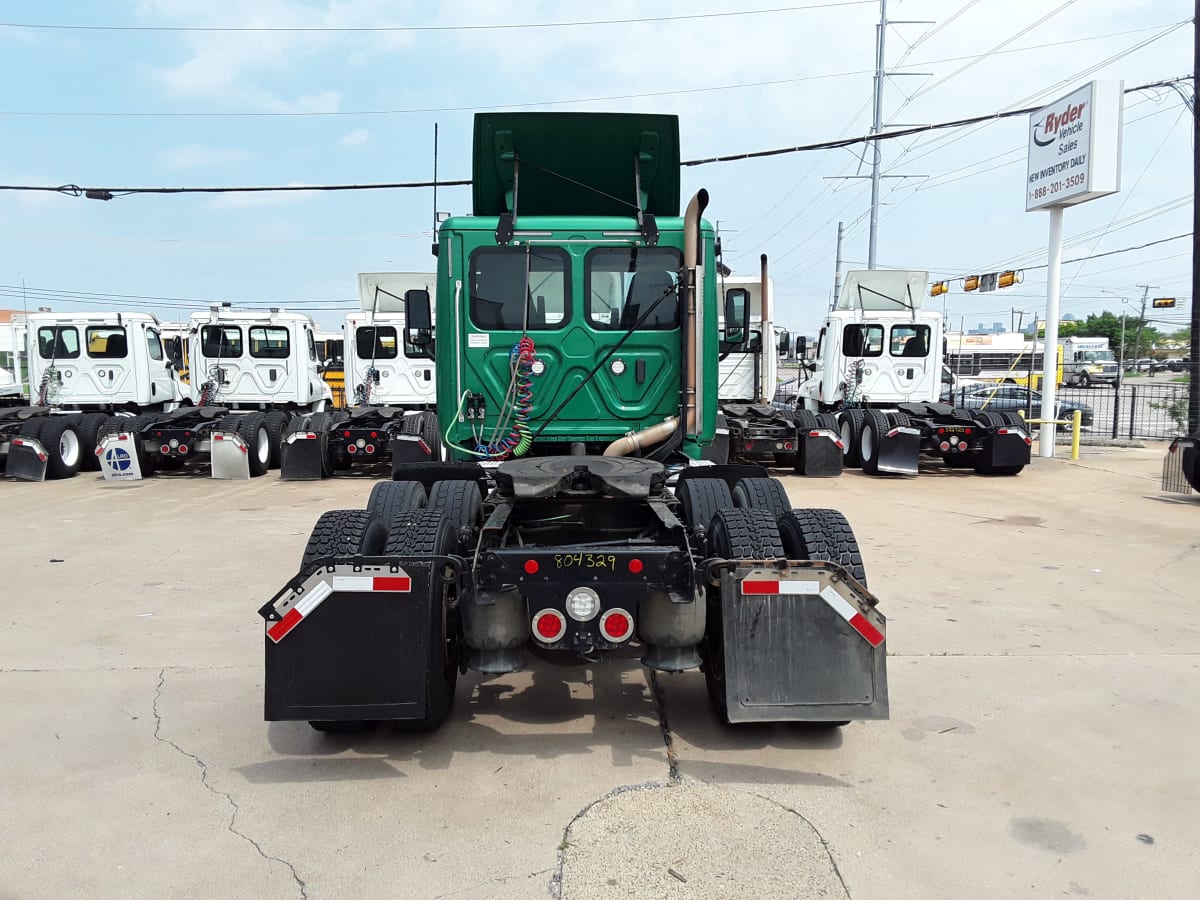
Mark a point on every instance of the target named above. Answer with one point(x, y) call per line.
point(58, 436)
point(461, 503)
point(431, 434)
point(89, 429)
point(390, 498)
point(700, 499)
point(252, 428)
point(761, 493)
point(277, 423)
point(735, 534)
point(431, 533)
point(874, 427)
point(345, 532)
point(850, 425)
point(822, 535)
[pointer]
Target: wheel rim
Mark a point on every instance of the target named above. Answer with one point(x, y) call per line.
point(68, 447)
point(847, 433)
point(262, 445)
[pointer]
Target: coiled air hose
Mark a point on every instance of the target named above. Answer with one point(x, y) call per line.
point(520, 393)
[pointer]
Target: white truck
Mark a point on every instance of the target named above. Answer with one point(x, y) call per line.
point(83, 368)
point(757, 430)
point(878, 368)
point(251, 373)
point(1087, 361)
point(390, 390)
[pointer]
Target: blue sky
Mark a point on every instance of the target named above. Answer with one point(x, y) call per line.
point(325, 106)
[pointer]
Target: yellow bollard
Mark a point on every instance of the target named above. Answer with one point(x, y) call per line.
point(1076, 423)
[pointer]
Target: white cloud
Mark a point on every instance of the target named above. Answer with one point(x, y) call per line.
point(194, 156)
point(355, 138)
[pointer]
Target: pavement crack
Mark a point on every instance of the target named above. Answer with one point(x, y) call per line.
point(203, 766)
point(660, 708)
point(820, 837)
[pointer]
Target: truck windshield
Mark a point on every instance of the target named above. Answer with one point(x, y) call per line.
point(1098, 356)
point(513, 288)
point(623, 283)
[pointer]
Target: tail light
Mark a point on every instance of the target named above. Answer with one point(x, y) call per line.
point(164, 450)
point(370, 448)
point(549, 625)
point(183, 449)
point(350, 448)
point(944, 445)
point(616, 625)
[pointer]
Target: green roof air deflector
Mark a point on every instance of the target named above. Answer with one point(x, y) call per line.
point(594, 149)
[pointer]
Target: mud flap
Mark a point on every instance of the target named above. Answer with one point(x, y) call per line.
point(118, 457)
point(406, 450)
point(1008, 446)
point(229, 456)
point(899, 451)
point(803, 643)
point(302, 456)
point(348, 642)
point(819, 453)
point(1191, 463)
point(26, 460)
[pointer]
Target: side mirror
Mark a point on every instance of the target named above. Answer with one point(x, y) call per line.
point(801, 347)
point(737, 316)
point(418, 319)
point(784, 346)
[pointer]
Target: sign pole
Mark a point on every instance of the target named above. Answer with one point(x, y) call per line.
point(1050, 343)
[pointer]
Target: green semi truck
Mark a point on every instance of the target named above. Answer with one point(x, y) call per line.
point(575, 514)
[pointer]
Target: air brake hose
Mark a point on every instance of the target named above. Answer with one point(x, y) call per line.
point(519, 439)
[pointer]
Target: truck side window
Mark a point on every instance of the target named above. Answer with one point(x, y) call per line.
point(221, 341)
point(506, 297)
point(623, 283)
point(107, 342)
point(375, 342)
point(269, 342)
point(154, 344)
point(910, 340)
point(862, 340)
point(58, 342)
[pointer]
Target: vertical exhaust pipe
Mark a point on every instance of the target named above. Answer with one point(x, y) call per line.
point(655, 434)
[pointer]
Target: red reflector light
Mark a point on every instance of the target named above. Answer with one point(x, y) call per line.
point(966, 431)
point(370, 448)
point(749, 445)
point(345, 434)
point(164, 450)
point(787, 445)
point(351, 449)
point(814, 433)
point(549, 625)
point(941, 431)
point(945, 445)
point(616, 625)
point(158, 434)
point(187, 434)
point(183, 449)
point(531, 566)
point(374, 434)
point(635, 566)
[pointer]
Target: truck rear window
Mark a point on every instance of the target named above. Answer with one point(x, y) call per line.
point(862, 340)
point(623, 284)
point(221, 341)
point(910, 340)
point(513, 288)
point(58, 342)
point(269, 343)
point(107, 342)
point(375, 342)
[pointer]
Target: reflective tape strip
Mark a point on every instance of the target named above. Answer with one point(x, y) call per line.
point(780, 587)
point(857, 620)
point(398, 583)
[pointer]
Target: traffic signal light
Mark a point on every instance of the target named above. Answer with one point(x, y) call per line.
point(971, 283)
point(939, 288)
point(1007, 279)
point(1163, 302)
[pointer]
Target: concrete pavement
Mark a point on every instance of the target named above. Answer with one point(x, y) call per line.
point(1044, 673)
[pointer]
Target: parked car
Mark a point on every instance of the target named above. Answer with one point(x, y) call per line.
point(1009, 397)
point(1178, 365)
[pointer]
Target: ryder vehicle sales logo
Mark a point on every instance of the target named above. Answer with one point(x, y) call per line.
point(1059, 125)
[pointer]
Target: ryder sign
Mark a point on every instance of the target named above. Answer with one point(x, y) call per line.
point(1075, 147)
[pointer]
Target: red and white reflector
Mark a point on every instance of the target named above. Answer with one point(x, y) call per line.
point(839, 604)
point(316, 592)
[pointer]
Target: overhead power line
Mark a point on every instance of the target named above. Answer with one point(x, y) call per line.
point(385, 29)
point(107, 193)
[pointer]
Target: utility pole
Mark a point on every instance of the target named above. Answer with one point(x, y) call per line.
point(876, 125)
point(1194, 356)
point(1137, 335)
point(837, 272)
